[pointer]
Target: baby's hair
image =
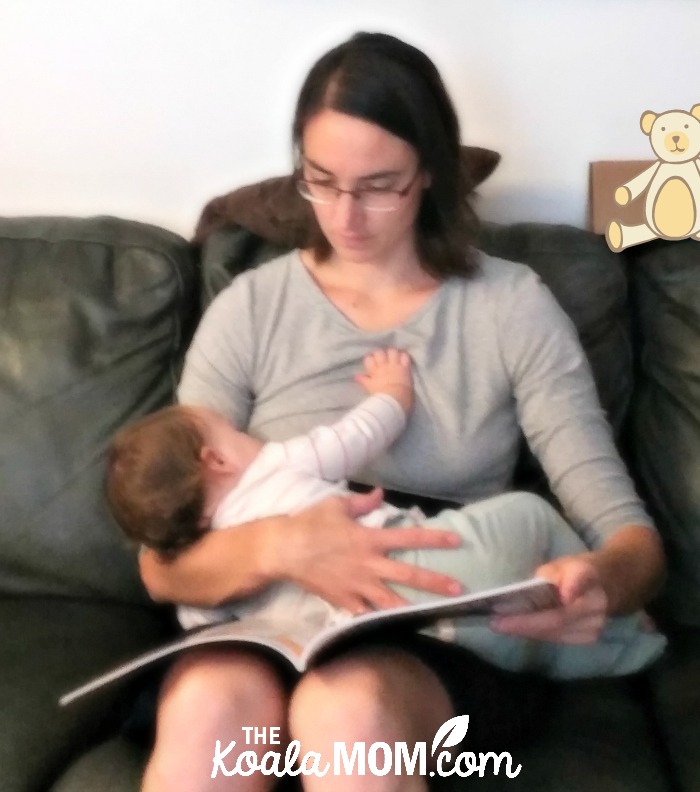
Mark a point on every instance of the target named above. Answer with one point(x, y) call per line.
point(154, 482)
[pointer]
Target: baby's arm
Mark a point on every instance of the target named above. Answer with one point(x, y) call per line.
point(337, 451)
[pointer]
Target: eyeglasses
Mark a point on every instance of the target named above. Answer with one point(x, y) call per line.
point(373, 199)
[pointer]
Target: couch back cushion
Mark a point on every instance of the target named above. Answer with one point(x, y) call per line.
point(95, 315)
point(665, 277)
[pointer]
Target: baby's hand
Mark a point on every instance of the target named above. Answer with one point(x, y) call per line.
point(389, 371)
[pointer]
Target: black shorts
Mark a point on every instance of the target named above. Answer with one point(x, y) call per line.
point(504, 707)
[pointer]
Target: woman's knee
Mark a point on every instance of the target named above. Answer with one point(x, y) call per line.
point(375, 694)
point(221, 686)
point(210, 695)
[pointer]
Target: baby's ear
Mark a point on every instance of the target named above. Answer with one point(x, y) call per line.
point(211, 459)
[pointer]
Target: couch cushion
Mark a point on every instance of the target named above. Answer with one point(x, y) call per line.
point(116, 765)
point(666, 285)
point(94, 318)
point(597, 738)
point(49, 646)
point(675, 685)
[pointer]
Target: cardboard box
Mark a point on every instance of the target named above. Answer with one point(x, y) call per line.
point(604, 177)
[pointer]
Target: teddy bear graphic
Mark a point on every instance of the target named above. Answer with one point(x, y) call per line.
point(672, 183)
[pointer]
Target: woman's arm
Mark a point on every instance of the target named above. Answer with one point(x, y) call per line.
point(222, 565)
point(631, 567)
point(567, 430)
point(323, 549)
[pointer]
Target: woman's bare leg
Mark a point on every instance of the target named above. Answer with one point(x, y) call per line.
point(208, 696)
point(372, 695)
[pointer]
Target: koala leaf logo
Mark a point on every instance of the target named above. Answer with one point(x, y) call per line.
point(671, 184)
point(452, 731)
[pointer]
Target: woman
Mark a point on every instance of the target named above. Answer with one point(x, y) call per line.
point(377, 147)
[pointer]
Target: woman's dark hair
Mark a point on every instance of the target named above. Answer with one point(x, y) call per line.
point(383, 80)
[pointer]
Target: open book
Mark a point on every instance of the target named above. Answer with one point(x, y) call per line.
point(301, 645)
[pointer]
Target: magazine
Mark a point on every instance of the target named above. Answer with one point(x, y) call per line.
point(301, 645)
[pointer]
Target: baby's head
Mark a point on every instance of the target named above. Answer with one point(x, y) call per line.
point(167, 472)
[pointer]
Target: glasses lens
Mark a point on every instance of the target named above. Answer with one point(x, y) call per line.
point(379, 200)
point(373, 200)
point(316, 191)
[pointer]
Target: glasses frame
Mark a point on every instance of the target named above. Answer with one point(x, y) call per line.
point(357, 194)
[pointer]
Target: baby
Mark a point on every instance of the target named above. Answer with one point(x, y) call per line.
point(184, 470)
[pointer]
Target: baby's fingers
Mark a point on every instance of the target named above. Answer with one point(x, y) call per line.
point(374, 360)
point(398, 357)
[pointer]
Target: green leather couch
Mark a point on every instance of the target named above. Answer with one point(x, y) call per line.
point(95, 315)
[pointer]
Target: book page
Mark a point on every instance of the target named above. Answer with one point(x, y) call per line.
point(286, 640)
point(300, 643)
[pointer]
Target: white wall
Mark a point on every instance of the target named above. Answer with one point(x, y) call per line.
point(148, 108)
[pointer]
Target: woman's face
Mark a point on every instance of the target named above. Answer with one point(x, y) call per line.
point(353, 154)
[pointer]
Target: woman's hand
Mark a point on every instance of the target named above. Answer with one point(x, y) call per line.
point(618, 578)
point(327, 552)
point(583, 611)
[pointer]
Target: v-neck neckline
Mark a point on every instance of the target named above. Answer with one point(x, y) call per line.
point(332, 309)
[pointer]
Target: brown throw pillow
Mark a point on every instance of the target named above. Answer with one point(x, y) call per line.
point(274, 210)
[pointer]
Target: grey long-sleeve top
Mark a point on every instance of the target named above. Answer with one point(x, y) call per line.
point(492, 355)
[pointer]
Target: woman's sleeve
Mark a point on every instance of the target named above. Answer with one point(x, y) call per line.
point(560, 414)
point(218, 371)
